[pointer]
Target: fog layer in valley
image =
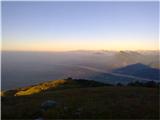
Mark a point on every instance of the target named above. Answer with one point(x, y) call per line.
point(26, 68)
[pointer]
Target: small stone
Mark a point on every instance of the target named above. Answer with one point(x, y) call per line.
point(39, 119)
point(48, 104)
point(77, 113)
point(65, 108)
point(79, 109)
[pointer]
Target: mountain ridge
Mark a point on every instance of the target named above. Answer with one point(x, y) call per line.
point(139, 70)
point(53, 84)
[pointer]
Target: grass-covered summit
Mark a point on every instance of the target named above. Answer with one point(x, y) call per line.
point(53, 85)
point(81, 99)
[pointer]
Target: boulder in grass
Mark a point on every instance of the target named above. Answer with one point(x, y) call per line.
point(39, 118)
point(48, 104)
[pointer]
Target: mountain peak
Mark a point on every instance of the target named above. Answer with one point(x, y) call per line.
point(139, 70)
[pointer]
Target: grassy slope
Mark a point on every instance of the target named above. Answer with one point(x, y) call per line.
point(54, 84)
point(87, 102)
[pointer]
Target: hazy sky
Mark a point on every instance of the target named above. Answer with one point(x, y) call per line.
point(52, 26)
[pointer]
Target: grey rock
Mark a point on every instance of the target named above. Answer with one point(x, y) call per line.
point(48, 104)
point(65, 108)
point(39, 119)
point(79, 109)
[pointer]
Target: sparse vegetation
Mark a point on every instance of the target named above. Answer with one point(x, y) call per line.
point(84, 99)
point(144, 84)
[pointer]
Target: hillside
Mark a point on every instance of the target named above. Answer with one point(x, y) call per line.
point(53, 85)
point(83, 99)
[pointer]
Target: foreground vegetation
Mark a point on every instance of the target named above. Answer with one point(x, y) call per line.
point(83, 100)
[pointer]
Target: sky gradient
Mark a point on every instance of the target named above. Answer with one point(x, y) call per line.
point(60, 26)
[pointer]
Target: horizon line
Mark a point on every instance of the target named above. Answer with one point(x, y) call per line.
point(77, 50)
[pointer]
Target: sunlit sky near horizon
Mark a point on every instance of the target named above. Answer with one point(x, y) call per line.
point(60, 26)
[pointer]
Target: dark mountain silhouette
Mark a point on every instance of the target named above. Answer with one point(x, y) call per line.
point(139, 70)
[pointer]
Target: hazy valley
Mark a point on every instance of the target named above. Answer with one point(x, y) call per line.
point(21, 69)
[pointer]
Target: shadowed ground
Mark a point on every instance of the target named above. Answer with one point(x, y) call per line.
point(85, 100)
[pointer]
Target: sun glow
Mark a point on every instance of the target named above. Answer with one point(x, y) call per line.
point(78, 45)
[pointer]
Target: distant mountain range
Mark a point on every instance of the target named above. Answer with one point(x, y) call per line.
point(139, 70)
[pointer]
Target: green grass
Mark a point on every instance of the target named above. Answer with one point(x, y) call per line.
point(105, 102)
point(52, 85)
